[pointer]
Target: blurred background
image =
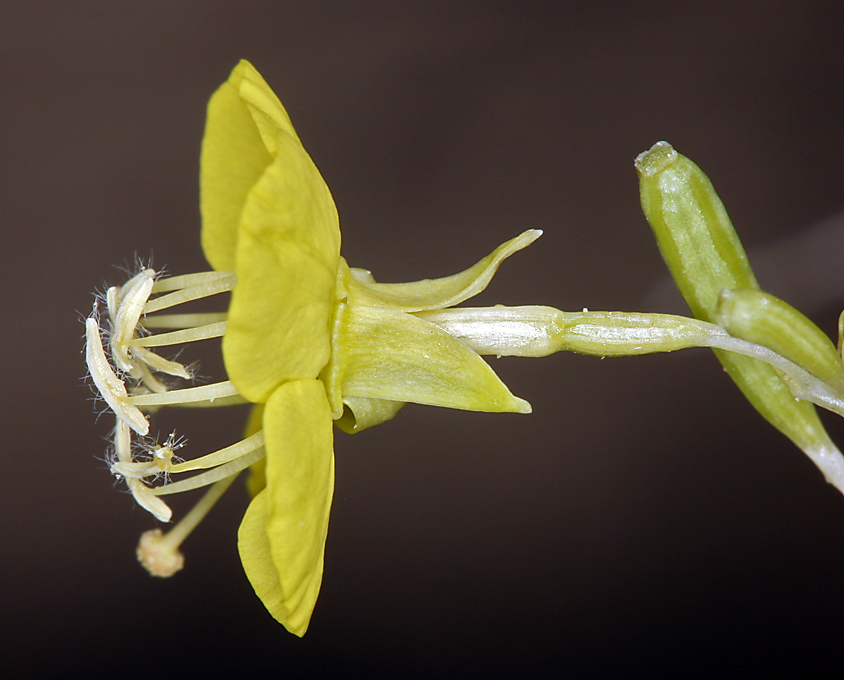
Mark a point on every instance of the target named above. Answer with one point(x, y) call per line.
point(642, 521)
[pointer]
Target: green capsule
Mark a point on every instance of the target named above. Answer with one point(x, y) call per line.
point(694, 232)
point(766, 320)
point(704, 254)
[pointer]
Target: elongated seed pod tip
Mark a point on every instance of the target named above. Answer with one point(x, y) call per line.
point(655, 159)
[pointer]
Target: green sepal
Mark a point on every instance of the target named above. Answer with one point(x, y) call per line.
point(841, 334)
point(362, 289)
point(385, 354)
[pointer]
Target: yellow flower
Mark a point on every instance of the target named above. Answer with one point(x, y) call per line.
point(312, 342)
point(306, 338)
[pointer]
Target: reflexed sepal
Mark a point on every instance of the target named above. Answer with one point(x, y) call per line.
point(385, 354)
point(766, 320)
point(431, 293)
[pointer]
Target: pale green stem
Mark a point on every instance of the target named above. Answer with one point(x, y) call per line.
point(539, 331)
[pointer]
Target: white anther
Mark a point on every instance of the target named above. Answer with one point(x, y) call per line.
point(112, 302)
point(149, 502)
point(109, 385)
point(160, 364)
point(148, 379)
point(134, 470)
point(129, 310)
point(142, 493)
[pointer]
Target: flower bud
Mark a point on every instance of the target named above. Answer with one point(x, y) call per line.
point(766, 320)
point(705, 256)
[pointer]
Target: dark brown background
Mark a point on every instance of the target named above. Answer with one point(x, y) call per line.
point(643, 521)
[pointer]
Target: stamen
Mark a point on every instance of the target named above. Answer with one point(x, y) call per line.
point(126, 320)
point(115, 295)
point(142, 493)
point(234, 400)
point(165, 285)
point(112, 303)
point(183, 320)
point(159, 554)
point(214, 474)
point(221, 284)
point(125, 308)
point(187, 396)
point(160, 462)
point(149, 381)
point(160, 364)
point(129, 309)
point(109, 385)
point(223, 456)
point(162, 459)
point(135, 470)
point(211, 330)
point(121, 292)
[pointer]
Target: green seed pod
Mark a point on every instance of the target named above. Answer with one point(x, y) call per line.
point(704, 254)
point(766, 320)
point(695, 235)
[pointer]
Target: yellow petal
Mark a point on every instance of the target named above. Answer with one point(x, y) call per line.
point(244, 120)
point(433, 293)
point(384, 354)
point(282, 537)
point(266, 109)
point(287, 255)
point(257, 478)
